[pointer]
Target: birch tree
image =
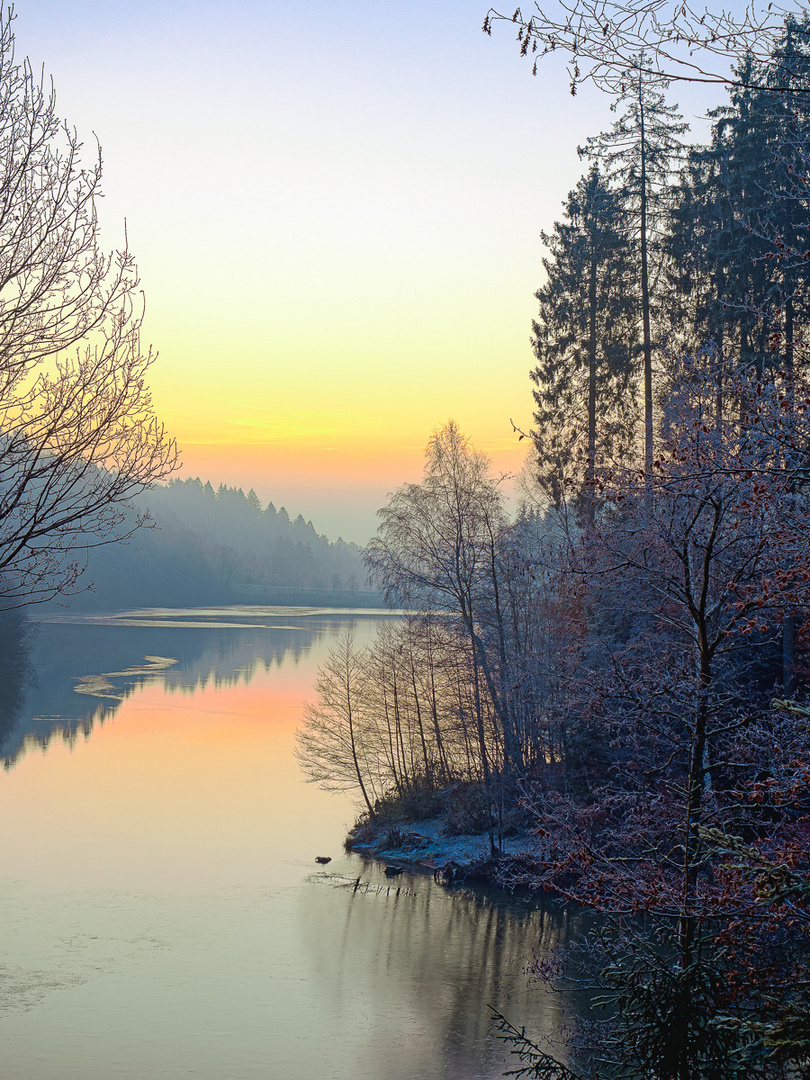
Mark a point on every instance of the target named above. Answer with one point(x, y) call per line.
point(640, 153)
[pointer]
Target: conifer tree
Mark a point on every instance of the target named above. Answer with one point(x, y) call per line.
point(640, 153)
point(743, 153)
point(739, 236)
point(583, 339)
point(705, 249)
point(786, 209)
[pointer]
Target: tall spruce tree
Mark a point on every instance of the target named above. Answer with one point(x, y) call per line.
point(787, 224)
point(739, 225)
point(704, 240)
point(583, 339)
point(640, 153)
point(742, 155)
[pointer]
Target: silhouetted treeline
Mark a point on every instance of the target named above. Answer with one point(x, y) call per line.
point(218, 547)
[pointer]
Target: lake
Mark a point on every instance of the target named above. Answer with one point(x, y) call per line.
point(163, 915)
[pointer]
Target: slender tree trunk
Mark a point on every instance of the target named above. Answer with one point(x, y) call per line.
point(403, 757)
point(699, 589)
point(789, 332)
point(482, 742)
point(720, 345)
point(790, 624)
point(392, 746)
point(444, 764)
point(425, 755)
point(645, 305)
point(590, 469)
point(353, 740)
point(513, 751)
point(745, 358)
point(694, 806)
point(759, 360)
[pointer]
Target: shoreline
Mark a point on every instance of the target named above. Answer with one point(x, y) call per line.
point(426, 846)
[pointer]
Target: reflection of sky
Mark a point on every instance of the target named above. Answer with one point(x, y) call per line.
point(263, 984)
point(84, 665)
point(190, 789)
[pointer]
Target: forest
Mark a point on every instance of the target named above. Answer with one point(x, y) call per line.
point(620, 669)
point(198, 545)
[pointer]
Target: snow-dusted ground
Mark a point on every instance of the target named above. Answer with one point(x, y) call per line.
point(426, 844)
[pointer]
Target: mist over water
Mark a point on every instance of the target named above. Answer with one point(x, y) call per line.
point(163, 912)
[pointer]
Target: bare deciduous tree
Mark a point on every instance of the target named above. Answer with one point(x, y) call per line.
point(333, 741)
point(78, 436)
point(433, 547)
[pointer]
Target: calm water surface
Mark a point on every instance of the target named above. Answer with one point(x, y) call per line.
point(162, 913)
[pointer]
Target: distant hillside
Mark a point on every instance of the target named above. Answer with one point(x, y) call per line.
point(221, 546)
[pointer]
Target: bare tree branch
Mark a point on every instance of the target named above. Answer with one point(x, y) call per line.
point(604, 40)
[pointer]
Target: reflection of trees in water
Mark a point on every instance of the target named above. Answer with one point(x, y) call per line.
point(433, 961)
point(107, 663)
point(16, 672)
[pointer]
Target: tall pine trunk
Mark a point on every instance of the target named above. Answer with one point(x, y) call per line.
point(789, 332)
point(590, 473)
point(645, 305)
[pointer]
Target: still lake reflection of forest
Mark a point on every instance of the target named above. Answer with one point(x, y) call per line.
point(163, 915)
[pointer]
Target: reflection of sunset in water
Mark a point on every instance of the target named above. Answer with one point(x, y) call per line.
point(163, 912)
point(186, 789)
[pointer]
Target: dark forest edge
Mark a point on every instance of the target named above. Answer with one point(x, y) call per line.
point(620, 672)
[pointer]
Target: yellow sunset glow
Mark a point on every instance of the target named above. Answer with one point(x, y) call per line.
point(336, 213)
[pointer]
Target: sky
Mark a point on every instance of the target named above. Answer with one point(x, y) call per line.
point(336, 209)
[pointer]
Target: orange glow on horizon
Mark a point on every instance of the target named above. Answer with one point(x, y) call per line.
point(309, 464)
